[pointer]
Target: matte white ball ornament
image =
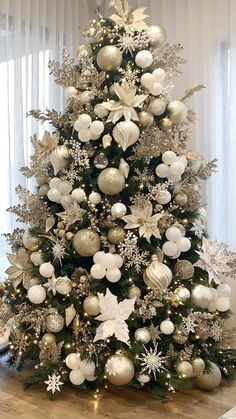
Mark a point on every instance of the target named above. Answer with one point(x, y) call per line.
point(113, 275)
point(201, 296)
point(184, 244)
point(159, 74)
point(147, 80)
point(167, 327)
point(36, 294)
point(78, 194)
point(66, 200)
point(144, 58)
point(84, 121)
point(54, 195)
point(84, 135)
point(65, 187)
point(97, 128)
point(169, 157)
point(36, 258)
point(91, 305)
point(157, 107)
point(222, 304)
point(101, 111)
point(108, 260)
point(176, 168)
point(76, 377)
point(87, 367)
point(173, 234)
point(98, 271)
point(156, 89)
point(118, 261)
point(97, 257)
point(162, 170)
point(224, 290)
point(55, 182)
point(46, 270)
point(95, 198)
point(73, 361)
point(118, 210)
point(170, 248)
point(70, 91)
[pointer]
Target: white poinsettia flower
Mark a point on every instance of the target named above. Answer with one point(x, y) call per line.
point(144, 220)
point(128, 100)
point(132, 21)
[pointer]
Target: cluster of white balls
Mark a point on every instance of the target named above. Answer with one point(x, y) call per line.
point(173, 166)
point(212, 298)
point(88, 129)
point(154, 81)
point(62, 192)
point(176, 242)
point(144, 58)
point(80, 370)
point(107, 264)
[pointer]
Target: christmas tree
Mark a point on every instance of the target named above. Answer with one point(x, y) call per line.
point(115, 280)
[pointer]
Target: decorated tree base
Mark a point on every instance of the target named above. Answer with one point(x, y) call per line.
point(114, 281)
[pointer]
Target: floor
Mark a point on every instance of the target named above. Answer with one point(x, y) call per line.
point(116, 403)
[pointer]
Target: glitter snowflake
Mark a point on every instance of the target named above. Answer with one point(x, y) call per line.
point(152, 361)
point(144, 177)
point(130, 74)
point(217, 260)
point(59, 251)
point(216, 331)
point(110, 367)
point(154, 333)
point(198, 229)
point(71, 174)
point(130, 252)
point(128, 42)
point(188, 324)
point(53, 383)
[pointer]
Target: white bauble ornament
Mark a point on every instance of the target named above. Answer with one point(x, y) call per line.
point(86, 97)
point(46, 270)
point(65, 187)
point(84, 121)
point(78, 194)
point(177, 111)
point(113, 275)
point(111, 181)
point(108, 260)
point(156, 89)
point(54, 195)
point(157, 35)
point(73, 361)
point(184, 244)
point(91, 305)
point(97, 128)
point(91, 377)
point(66, 200)
point(97, 258)
point(109, 58)
point(201, 296)
point(198, 365)
point(58, 158)
point(144, 58)
point(30, 242)
point(87, 367)
point(84, 135)
point(146, 118)
point(222, 304)
point(76, 377)
point(55, 182)
point(223, 290)
point(147, 80)
point(119, 369)
point(167, 327)
point(170, 248)
point(159, 74)
point(70, 91)
point(169, 157)
point(173, 234)
point(209, 380)
point(157, 275)
point(184, 369)
point(86, 242)
point(118, 261)
point(163, 197)
point(157, 107)
point(98, 271)
point(95, 198)
point(183, 160)
point(143, 378)
point(162, 170)
point(118, 210)
point(142, 335)
point(36, 294)
point(176, 168)
point(126, 133)
point(36, 258)
point(63, 285)
point(101, 111)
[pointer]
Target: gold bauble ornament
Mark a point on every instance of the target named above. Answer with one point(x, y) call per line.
point(179, 337)
point(86, 242)
point(82, 84)
point(31, 243)
point(91, 305)
point(111, 181)
point(146, 118)
point(134, 292)
point(142, 335)
point(181, 199)
point(123, 368)
point(157, 276)
point(116, 235)
point(184, 369)
point(198, 365)
point(48, 339)
point(165, 124)
point(184, 269)
point(157, 35)
point(76, 325)
point(109, 58)
point(209, 380)
point(54, 322)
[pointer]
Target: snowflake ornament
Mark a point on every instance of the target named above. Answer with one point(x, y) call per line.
point(188, 325)
point(198, 228)
point(54, 383)
point(152, 361)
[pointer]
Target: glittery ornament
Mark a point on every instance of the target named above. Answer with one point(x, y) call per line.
point(100, 161)
point(116, 235)
point(184, 269)
point(54, 322)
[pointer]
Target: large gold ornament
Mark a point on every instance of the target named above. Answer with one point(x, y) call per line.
point(184, 269)
point(109, 58)
point(48, 339)
point(116, 235)
point(111, 181)
point(157, 276)
point(184, 369)
point(86, 242)
point(180, 199)
point(165, 124)
point(54, 322)
point(209, 380)
point(157, 35)
point(119, 369)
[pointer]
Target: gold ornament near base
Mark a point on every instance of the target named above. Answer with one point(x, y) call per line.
point(157, 276)
point(119, 369)
point(184, 369)
point(198, 365)
point(209, 380)
point(116, 235)
point(109, 58)
point(54, 323)
point(86, 242)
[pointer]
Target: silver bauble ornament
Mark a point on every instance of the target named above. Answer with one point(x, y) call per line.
point(118, 210)
point(177, 111)
point(157, 35)
point(198, 365)
point(86, 242)
point(54, 322)
point(109, 58)
point(119, 369)
point(100, 161)
point(184, 369)
point(157, 276)
point(142, 335)
point(63, 285)
point(111, 181)
point(209, 380)
point(201, 296)
point(182, 293)
point(146, 118)
point(184, 269)
point(58, 158)
point(126, 133)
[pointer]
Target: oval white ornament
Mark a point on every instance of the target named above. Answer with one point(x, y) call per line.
point(58, 158)
point(126, 133)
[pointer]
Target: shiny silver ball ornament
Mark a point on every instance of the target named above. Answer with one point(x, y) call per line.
point(100, 161)
point(109, 58)
point(182, 293)
point(142, 335)
point(177, 111)
point(209, 380)
point(198, 365)
point(146, 119)
point(184, 369)
point(119, 369)
point(157, 35)
point(111, 181)
point(86, 242)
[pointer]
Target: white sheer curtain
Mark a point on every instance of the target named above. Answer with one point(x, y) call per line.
point(32, 31)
